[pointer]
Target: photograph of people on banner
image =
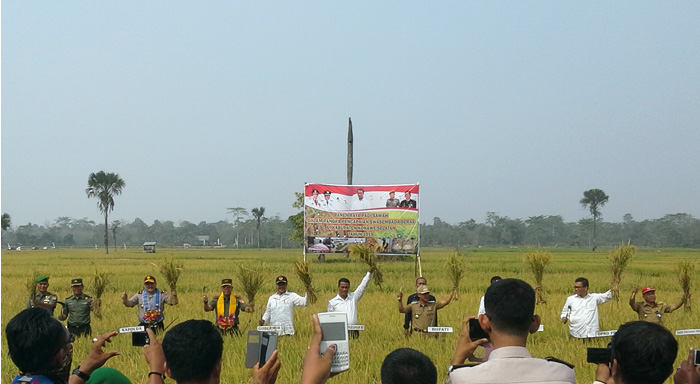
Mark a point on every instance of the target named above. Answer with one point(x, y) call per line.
point(337, 216)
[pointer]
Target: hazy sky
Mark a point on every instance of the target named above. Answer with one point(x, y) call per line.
point(512, 107)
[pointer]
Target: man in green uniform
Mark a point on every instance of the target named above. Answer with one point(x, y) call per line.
point(77, 309)
point(423, 312)
point(649, 310)
point(226, 320)
point(42, 297)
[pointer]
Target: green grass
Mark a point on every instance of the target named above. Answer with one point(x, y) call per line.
point(377, 309)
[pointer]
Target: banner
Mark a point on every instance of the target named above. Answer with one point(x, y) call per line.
point(385, 216)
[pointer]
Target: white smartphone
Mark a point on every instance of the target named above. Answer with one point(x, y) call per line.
point(334, 326)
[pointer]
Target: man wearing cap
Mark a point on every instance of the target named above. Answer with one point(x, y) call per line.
point(423, 312)
point(581, 310)
point(227, 320)
point(392, 201)
point(77, 309)
point(649, 310)
point(42, 297)
point(346, 301)
point(280, 307)
point(413, 298)
point(151, 303)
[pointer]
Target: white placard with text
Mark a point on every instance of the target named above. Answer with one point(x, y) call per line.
point(683, 332)
point(356, 327)
point(440, 329)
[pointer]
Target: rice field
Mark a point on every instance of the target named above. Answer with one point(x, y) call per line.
point(204, 269)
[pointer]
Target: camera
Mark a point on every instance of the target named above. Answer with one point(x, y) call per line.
point(599, 355)
point(476, 332)
point(696, 360)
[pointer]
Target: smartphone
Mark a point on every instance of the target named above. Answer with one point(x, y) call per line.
point(139, 339)
point(259, 348)
point(334, 326)
point(599, 355)
point(696, 360)
point(475, 330)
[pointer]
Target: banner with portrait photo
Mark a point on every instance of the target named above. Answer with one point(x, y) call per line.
point(385, 216)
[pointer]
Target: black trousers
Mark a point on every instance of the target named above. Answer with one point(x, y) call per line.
point(80, 330)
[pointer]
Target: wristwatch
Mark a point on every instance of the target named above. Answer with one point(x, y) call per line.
point(81, 375)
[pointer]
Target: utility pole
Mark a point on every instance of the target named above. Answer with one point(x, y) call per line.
point(349, 151)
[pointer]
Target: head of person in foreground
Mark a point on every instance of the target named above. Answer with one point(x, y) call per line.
point(406, 365)
point(510, 310)
point(192, 351)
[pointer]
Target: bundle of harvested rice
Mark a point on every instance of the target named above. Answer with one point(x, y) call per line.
point(171, 270)
point(619, 258)
point(538, 261)
point(685, 270)
point(100, 280)
point(251, 281)
point(302, 269)
point(368, 254)
point(455, 270)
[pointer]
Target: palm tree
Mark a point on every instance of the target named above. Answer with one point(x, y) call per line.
point(258, 213)
point(594, 199)
point(104, 186)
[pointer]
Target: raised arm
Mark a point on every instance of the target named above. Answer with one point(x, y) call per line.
point(633, 299)
point(402, 309)
point(363, 285)
point(677, 305)
point(443, 303)
point(207, 307)
point(129, 302)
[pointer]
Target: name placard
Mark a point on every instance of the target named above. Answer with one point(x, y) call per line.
point(270, 328)
point(541, 328)
point(440, 329)
point(356, 327)
point(684, 332)
point(139, 328)
point(605, 333)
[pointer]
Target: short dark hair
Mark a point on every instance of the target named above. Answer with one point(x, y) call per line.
point(495, 279)
point(33, 339)
point(192, 349)
point(510, 305)
point(644, 351)
point(421, 278)
point(582, 280)
point(343, 280)
point(406, 365)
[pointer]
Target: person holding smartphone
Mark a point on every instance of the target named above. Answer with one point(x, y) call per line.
point(509, 319)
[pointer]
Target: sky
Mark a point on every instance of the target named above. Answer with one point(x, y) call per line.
point(511, 107)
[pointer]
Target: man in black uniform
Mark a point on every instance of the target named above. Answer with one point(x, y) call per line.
point(408, 203)
point(77, 309)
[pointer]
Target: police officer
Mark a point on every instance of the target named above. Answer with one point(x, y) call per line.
point(77, 309)
point(222, 304)
point(42, 297)
point(151, 303)
point(423, 312)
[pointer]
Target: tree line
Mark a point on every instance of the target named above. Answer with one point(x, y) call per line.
point(673, 230)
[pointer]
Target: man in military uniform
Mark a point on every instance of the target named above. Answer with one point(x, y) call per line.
point(222, 304)
point(423, 312)
point(649, 310)
point(391, 201)
point(77, 309)
point(151, 303)
point(509, 319)
point(42, 297)
point(408, 203)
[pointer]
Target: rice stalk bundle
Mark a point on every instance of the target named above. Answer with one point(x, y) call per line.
point(31, 285)
point(368, 254)
point(619, 258)
point(455, 270)
point(538, 261)
point(171, 270)
point(302, 269)
point(252, 281)
point(100, 280)
point(685, 270)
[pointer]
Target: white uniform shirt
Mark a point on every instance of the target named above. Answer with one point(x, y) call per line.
point(349, 304)
point(513, 365)
point(280, 310)
point(583, 313)
point(482, 308)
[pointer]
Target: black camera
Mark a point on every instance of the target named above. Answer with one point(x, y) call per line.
point(139, 339)
point(599, 355)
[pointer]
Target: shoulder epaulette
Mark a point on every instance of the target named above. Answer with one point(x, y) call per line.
point(555, 360)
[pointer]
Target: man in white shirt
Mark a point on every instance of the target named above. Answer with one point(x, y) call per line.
point(346, 301)
point(280, 307)
point(509, 319)
point(581, 310)
point(482, 308)
point(361, 202)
